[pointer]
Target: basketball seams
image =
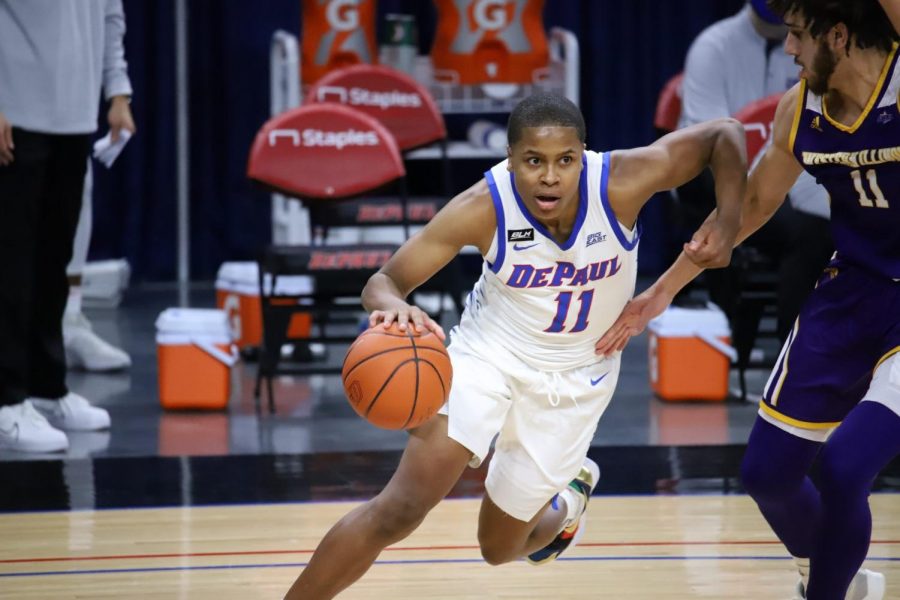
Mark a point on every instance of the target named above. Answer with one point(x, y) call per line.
point(441, 349)
point(387, 380)
point(369, 357)
point(437, 373)
point(374, 331)
point(415, 402)
point(401, 409)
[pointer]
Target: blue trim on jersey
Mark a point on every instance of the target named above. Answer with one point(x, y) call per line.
point(610, 215)
point(579, 217)
point(501, 223)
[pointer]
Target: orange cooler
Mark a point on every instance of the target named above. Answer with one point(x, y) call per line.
point(489, 41)
point(690, 354)
point(195, 358)
point(336, 33)
point(237, 293)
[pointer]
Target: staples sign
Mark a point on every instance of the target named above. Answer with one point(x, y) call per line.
point(324, 151)
point(396, 100)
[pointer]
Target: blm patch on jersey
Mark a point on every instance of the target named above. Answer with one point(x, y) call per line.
point(519, 235)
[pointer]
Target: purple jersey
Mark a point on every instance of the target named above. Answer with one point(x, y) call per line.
point(859, 165)
point(849, 325)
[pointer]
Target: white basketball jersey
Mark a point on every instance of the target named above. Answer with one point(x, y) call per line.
point(549, 302)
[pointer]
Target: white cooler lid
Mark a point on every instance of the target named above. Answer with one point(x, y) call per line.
point(243, 277)
point(691, 322)
point(194, 321)
point(233, 274)
point(292, 284)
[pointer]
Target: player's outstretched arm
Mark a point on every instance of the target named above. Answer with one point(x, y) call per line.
point(467, 220)
point(767, 188)
point(677, 158)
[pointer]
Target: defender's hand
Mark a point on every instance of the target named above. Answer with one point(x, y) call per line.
point(632, 321)
point(406, 316)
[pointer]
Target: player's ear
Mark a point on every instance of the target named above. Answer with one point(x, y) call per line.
point(839, 38)
point(509, 158)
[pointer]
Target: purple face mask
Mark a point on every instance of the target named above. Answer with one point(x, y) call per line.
point(763, 12)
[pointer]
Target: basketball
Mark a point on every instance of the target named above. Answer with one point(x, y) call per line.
point(396, 379)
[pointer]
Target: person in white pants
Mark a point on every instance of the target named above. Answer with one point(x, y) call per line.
point(84, 348)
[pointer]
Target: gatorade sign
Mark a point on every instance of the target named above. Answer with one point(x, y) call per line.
point(490, 15)
point(336, 33)
point(392, 97)
point(342, 15)
point(482, 41)
point(324, 151)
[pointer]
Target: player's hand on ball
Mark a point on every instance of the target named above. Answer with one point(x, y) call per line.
point(406, 316)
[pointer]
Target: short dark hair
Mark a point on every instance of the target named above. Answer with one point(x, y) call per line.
point(543, 109)
point(866, 21)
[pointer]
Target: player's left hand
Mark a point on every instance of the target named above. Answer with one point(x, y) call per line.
point(119, 117)
point(711, 245)
point(632, 321)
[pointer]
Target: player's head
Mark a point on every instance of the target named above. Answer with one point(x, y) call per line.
point(539, 110)
point(822, 33)
point(546, 135)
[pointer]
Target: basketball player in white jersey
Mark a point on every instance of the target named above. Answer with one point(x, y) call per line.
point(557, 226)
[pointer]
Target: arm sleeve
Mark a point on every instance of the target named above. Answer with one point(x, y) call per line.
point(704, 91)
point(115, 68)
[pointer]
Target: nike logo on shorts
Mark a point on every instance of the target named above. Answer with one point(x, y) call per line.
point(599, 379)
point(518, 247)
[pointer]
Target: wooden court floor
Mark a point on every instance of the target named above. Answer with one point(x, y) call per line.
point(635, 547)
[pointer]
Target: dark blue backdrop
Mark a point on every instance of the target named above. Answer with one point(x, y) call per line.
point(629, 48)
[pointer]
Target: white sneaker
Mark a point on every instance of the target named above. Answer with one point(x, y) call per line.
point(88, 351)
point(866, 585)
point(25, 430)
point(72, 412)
point(576, 496)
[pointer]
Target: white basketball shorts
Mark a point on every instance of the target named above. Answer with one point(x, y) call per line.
point(544, 421)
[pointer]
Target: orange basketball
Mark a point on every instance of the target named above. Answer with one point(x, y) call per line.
point(396, 379)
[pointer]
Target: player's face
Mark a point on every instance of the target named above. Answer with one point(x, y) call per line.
point(824, 62)
point(546, 163)
point(815, 57)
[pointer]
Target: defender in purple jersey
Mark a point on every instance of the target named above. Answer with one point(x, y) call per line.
point(835, 391)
